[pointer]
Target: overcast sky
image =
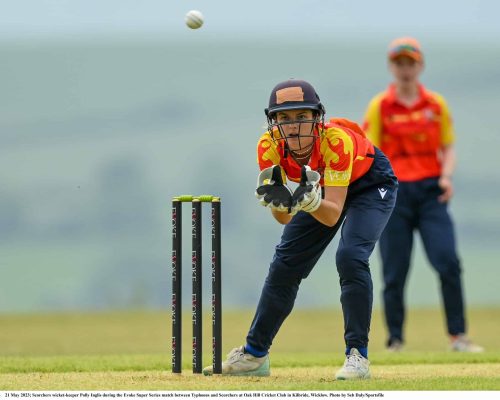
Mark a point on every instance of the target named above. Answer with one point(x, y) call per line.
point(470, 19)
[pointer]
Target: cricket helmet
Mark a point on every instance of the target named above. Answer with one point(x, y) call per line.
point(293, 94)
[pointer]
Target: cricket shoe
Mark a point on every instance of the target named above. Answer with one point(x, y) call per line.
point(239, 363)
point(463, 344)
point(355, 367)
point(395, 346)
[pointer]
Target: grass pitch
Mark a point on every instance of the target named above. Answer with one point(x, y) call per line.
point(131, 351)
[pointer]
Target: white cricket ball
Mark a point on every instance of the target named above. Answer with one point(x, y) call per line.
point(194, 19)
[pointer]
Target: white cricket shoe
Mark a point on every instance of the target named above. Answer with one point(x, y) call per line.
point(395, 346)
point(355, 367)
point(463, 344)
point(239, 363)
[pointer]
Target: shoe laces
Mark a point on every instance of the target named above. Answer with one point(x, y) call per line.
point(354, 361)
point(235, 354)
point(465, 340)
point(462, 341)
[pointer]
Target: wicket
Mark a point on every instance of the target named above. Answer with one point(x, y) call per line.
point(196, 299)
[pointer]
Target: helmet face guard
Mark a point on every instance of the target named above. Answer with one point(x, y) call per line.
point(277, 131)
point(295, 95)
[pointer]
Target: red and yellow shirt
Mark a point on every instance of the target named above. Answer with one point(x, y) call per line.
point(341, 154)
point(411, 137)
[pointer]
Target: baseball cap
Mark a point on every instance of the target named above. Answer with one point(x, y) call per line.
point(405, 46)
point(293, 94)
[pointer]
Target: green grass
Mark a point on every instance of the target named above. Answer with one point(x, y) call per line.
point(131, 351)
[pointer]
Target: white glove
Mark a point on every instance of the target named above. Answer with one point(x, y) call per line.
point(312, 200)
point(271, 191)
point(307, 196)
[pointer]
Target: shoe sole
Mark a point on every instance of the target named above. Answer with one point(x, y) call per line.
point(257, 372)
point(249, 373)
point(343, 378)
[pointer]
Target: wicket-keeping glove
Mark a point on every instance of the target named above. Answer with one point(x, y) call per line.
point(307, 196)
point(271, 191)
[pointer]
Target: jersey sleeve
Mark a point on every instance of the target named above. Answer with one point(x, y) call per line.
point(267, 152)
point(337, 150)
point(372, 124)
point(447, 132)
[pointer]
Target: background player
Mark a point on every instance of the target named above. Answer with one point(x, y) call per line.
point(413, 127)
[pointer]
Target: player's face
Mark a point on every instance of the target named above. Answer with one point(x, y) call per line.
point(298, 127)
point(406, 70)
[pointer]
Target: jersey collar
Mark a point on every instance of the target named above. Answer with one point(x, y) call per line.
point(392, 98)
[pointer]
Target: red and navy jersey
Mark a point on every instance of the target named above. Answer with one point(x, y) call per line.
point(341, 154)
point(411, 137)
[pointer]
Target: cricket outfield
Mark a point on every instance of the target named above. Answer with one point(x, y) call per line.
point(131, 351)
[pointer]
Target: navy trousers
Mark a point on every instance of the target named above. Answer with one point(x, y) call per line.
point(369, 203)
point(418, 208)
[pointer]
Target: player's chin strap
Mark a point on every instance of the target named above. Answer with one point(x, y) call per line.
point(299, 156)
